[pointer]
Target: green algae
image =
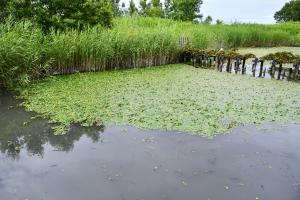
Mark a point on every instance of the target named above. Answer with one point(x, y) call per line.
point(174, 97)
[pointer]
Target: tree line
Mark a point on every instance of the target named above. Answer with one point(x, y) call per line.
point(64, 14)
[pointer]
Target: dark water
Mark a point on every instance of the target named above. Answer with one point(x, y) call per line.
point(128, 163)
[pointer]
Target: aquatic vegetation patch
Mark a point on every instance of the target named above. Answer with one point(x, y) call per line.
point(174, 97)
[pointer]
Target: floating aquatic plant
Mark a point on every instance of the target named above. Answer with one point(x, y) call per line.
point(174, 97)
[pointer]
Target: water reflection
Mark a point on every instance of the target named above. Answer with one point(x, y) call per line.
point(19, 130)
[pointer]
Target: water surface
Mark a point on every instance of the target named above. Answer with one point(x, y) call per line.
point(122, 162)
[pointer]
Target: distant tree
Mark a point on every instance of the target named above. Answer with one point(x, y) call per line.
point(289, 12)
point(116, 8)
point(219, 22)
point(208, 20)
point(132, 8)
point(168, 7)
point(144, 7)
point(155, 9)
point(186, 10)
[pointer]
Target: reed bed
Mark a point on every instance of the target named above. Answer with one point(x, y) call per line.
point(26, 53)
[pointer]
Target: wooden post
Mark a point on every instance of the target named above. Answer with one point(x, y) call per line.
point(210, 62)
point(255, 61)
point(222, 64)
point(261, 68)
point(290, 73)
point(273, 68)
point(218, 63)
point(228, 65)
point(283, 73)
point(244, 66)
point(296, 72)
point(279, 71)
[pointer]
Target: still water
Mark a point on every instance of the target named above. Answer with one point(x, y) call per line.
point(126, 163)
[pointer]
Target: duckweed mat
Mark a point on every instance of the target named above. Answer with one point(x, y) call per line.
point(174, 97)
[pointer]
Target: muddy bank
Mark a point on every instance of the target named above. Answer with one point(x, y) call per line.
point(128, 163)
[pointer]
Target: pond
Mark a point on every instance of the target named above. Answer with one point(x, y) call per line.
point(260, 52)
point(122, 162)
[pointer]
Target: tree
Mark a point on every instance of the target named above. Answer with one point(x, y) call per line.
point(168, 7)
point(186, 10)
point(116, 8)
point(144, 7)
point(208, 20)
point(219, 22)
point(289, 12)
point(132, 8)
point(62, 14)
point(155, 9)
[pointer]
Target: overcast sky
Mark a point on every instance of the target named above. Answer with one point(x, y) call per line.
point(259, 11)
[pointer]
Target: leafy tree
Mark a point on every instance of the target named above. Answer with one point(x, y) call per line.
point(116, 8)
point(208, 20)
point(289, 12)
point(156, 9)
point(132, 8)
point(186, 10)
point(168, 7)
point(144, 7)
point(60, 14)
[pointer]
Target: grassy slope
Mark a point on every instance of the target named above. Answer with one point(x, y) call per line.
point(175, 97)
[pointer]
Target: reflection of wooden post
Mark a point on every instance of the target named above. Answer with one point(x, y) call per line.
point(244, 66)
point(279, 71)
point(261, 68)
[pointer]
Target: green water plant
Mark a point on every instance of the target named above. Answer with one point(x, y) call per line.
point(175, 97)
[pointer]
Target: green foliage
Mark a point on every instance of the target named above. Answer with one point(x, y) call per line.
point(21, 54)
point(132, 8)
point(116, 8)
point(186, 10)
point(61, 14)
point(208, 20)
point(282, 57)
point(290, 12)
point(26, 53)
point(175, 97)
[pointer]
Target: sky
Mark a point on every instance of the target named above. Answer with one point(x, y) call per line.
point(258, 11)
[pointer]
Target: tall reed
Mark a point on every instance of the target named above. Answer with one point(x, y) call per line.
point(26, 53)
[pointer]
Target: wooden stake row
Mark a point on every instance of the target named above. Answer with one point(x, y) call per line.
point(238, 65)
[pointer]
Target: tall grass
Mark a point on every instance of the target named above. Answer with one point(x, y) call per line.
point(26, 53)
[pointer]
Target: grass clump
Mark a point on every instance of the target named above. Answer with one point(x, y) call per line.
point(174, 97)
